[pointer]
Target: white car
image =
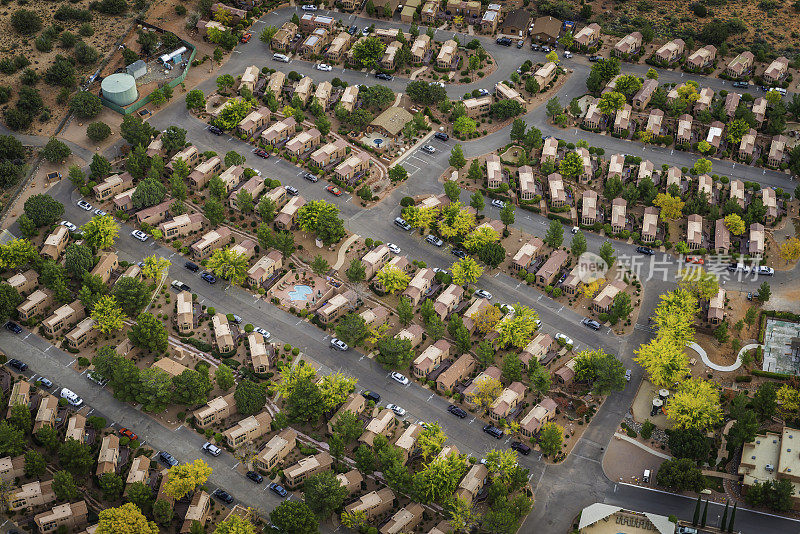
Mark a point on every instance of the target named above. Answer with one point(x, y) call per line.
point(766, 271)
point(483, 92)
point(141, 236)
point(483, 294)
point(100, 212)
point(309, 8)
point(338, 344)
point(567, 340)
point(429, 149)
point(84, 205)
point(69, 226)
point(568, 54)
point(263, 332)
point(71, 397)
point(394, 248)
point(396, 409)
point(575, 229)
point(324, 67)
point(283, 58)
point(397, 377)
point(498, 203)
point(438, 270)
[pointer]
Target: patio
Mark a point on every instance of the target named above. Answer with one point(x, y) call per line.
point(303, 290)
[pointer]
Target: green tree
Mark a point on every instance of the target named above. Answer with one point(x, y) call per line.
point(224, 377)
point(250, 397)
point(507, 214)
point(107, 314)
point(578, 245)
point(607, 253)
point(64, 486)
point(394, 352)
point(214, 211)
point(35, 464)
point(352, 329)
point(320, 265)
point(554, 107)
point(55, 151)
point(603, 371)
point(368, 52)
point(195, 100)
point(551, 437)
point(135, 131)
point(43, 210)
point(555, 235)
point(457, 159)
point(12, 440)
point(111, 484)
point(295, 517)
point(512, 367)
point(100, 232)
point(688, 443)
point(405, 312)
point(155, 390)
point(681, 474)
point(141, 495)
point(764, 292)
point(162, 512)
point(324, 494)
point(476, 201)
point(356, 272)
point(85, 104)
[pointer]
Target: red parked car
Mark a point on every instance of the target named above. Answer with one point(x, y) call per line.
point(245, 37)
point(261, 153)
point(128, 434)
point(333, 190)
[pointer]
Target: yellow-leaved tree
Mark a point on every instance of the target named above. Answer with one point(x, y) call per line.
point(695, 405)
point(228, 264)
point(466, 271)
point(486, 319)
point(790, 250)
point(127, 519)
point(735, 224)
point(155, 267)
point(486, 391)
point(184, 478)
point(430, 441)
point(664, 361)
point(480, 237)
point(392, 279)
point(517, 331)
point(108, 315)
point(335, 388)
point(675, 315)
point(697, 281)
point(235, 524)
point(671, 207)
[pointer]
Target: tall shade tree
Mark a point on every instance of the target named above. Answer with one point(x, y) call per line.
point(393, 279)
point(517, 331)
point(466, 271)
point(696, 404)
point(295, 517)
point(664, 361)
point(126, 518)
point(155, 267)
point(229, 264)
point(108, 315)
point(43, 210)
point(100, 232)
point(149, 333)
point(324, 494)
point(236, 524)
point(184, 478)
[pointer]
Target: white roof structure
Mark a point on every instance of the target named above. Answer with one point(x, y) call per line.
point(599, 511)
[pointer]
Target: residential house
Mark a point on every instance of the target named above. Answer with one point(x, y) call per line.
point(328, 153)
point(140, 470)
point(404, 520)
point(373, 504)
point(184, 312)
point(650, 224)
point(546, 30)
point(527, 183)
point(260, 352)
point(182, 225)
point(760, 110)
point(740, 65)
point(603, 300)
point(20, 394)
point(769, 457)
point(756, 245)
point(113, 185)
point(747, 149)
point(549, 150)
point(545, 74)
point(477, 107)
point(655, 122)
point(776, 70)
point(352, 167)
point(387, 61)
point(67, 515)
point(349, 97)
point(105, 266)
point(323, 94)
point(82, 334)
point(674, 175)
point(64, 317)
point(572, 283)
point(504, 92)
point(374, 260)
point(351, 480)
point(310, 22)
point(12, 468)
point(589, 208)
point(248, 429)
point(275, 83)
point(515, 22)
point(55, 243)
point(254, 120)
point(526, 254)
point(286, 217)
point(705, 186)
point(236, 14)
point(643, 96)
point(303, 90)
point(264, 268)
point(586, 159)
point(777, 151)
point(536, 349)
point(540, 414)
point(384, 425)
point(619, 219)
point(25, 282)
point(616, 166)
point(490, 18)
point(197, 511)
point(684, 134)
point(210, 242)
point(593, 116)
point(154, 215)
point(201, 174)
point(555, 184)
point(702, 58)
point(566, 373)
point(770, 201)
point(155, 146)
point(429, 13)
point(472, 483)
point(460, 370)
point(35, 304)
point(507, 401)
point(447, 54)
point(494, 171)
point(588, 36)
point(222, 333)
point(714, 136)
point(622, 121)
point(109, 455)
point(419, 285)
point(354, 403)
point(430, 358)
point(46, 413)
point(490, 373)
point(31, 495)
point(716, 307)
point(190, 156)
point(215, 411)
point(303, 142)
point(671, 51)
point(406, 441)
point(477, 306)
point(278, 196)
point(704, 100)
point(284, 37)
point(339, 46)
point(737, 192)
point(338, 306)
point(548, 272)
point(249, 78)
point(252, 187)
point(447, 301)
point(628, 45)
point(731, 103)
point(694, 231)
point(276, 449)
point(375, 316)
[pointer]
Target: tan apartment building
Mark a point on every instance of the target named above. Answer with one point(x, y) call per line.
point(740, 65)
point(373, 504)
point(375, 316)
point(684, 133)
point(526, 254)
point(154, 214)
point(197, 511)
point(777, 151)
point(492, 373)
point(430, 12)
point(140, 470)
point(353, 166)
point(628, 45)
point(35, 304)
point(76, 428)
point(338, 306)
point(702, 58)
point(258, 118)
point(276, 449)
point(351, 481)
point(215, 411)
point(527, 183)
point(555, 185)
point(284, 37)
point(747, 147)
point(32, 495)
point(64, 317)
point(248, 430)
point(694, 231)
point(477, 306)
point(12, 468)
point(650, 224)
point(769, 457)
point(447, 54)
point(201, 174)
point(83, 333)
point(46, 413)
point(643, 96)
point(249, 78)
point(182, 225)
point(477, 107)
point(55, 243)
point(507, 401)
point(109, 455)
point(222, 333)
point(420, 47)
point(286, 217)
point(349, 98)
point(646, 168)
point(210, 242)
point(504, 92)
point(405, 519)
point(603, 300)
point(314, 43)
point(674, 175)
point(69, 515)
point(384, 424)
point(655, 122)
point(589, 208)
point(716, 308)
point(616, 166)
point(339, 46)
point(279, 132)
point(275, 83)
point(20, 394)
point(593, 116)
point(184, 312)
point(770, 201)
point(671, 51)
point(25, 282)
point(260, 352)
point(536, 349)
point(494, 171)
point(756, 245)
point(328, 153)
point(588, 36)
point(460, 370)
point(124, 200)
point(354, 403)
point(731, 103)
point(307, 468)
point(704, 100)
point(448, 300)
point(407, 440)
point(231, 177)
point(545, 74)
point(388, 59)
point(374, 260)
point(303, 90)
point(113, 185)
point(776, 70)
point(472, 483)
point(490, 18)
point(430, 358)
point(253, 187)
point(310, 22)
point(303, 142)
point(540, 414)
point(419, 285)
point(548, 272)
point(190, 156)
point(155, 146)
point(323, 94)
point(264, 268)
point(619, 218)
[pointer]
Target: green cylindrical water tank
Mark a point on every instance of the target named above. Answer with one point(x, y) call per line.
point(120, 88)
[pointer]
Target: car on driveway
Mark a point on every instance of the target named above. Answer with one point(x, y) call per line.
point(338, 344)
point(18, 365)
point(255, 477)
point(263, 332)
point(400, 222)
point(69, 226)
point(493, 431)
point(433, 240)
point(520, 43)
point(397, 377)
point(352, 30)
point(13, 327)
point(126, 432)
point(480, 293)
point(45, 382)
point(261, 153)
point(278, 489)
point(396, 409)
point(222, 495)
point(645, 250)
point(167, 458)
point(520, 447)
point(384, 76)
point(245, 37)
point(441, 136)
point(311, 177)
point(498, 203)
point(567, 340)
point(211, 449)
point(179, 286)
point(440, 270)
point(100, 212)
point(503, 41)
point(141, 236)
point(455, 410)
point(84, 205)
point(291, 190)
point(392, 247)
point(216, 131)
point(208, 277)
point(429, 149)
point(371, 396)
point(333, 190)
point(97, 378)
point(594, 325)
point(236, 318)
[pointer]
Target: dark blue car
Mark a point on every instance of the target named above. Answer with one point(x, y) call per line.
point(278, 489)
point(208, 277)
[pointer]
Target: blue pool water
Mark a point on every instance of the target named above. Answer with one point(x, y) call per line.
point(300, 293)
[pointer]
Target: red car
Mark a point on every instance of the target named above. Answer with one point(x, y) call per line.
point(261, 153)
point(245, 37)
point(695, 259)
point(333, 190)
point(128, 434)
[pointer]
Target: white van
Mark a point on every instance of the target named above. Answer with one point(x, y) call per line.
point(71, 397)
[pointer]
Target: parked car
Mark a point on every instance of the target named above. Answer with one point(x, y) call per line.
point(441, 136)
point(278, 489)
point(179, 286)
point(324, 67)
point(503, 41)
point(338, 344)
point(520, 43)
point(100, 212)
point(236, 318)
point(261, 153)
point(71, 227)
point(480, 293)
point(245, 37)
point(742, 85)
point(308, 7)
point(333, 190)
point(695, 259)
point(255, 477)
point(291, 190)
point(433, 240)
point(749, 295)
point(265, 334)
point(45, 382)
point(211, 449)
point(371, 396)
point(167, 458)
point(17, 364)
point(352, 30)
point(208, 277)
point(97, 378)
point(141, 236)
point(71, 397)
point(283, 58)
point(429, 149)
point(455, 410)
point(645, 250)
point(567, 340)
point(497, 203)
point(311, 177)
point(13, 327)
point(222, 495)
point(192, 266)
point(398, 377)
point(393, 248)
point(686, 530)
point(591, 323)
point(493, 431)
point(535, 46)
point(366, 31)
point(126, 432)
point(396, 409)
point(520, 447)
point(568, 54)
point(458, 253)
point(594, 58)
point(400, 222)
point(766, 271)
point(216, 131)
point(84, 205)
point(483, 92)
point(384, 76)
point(628, 375)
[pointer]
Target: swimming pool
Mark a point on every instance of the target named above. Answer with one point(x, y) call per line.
point(300, 292)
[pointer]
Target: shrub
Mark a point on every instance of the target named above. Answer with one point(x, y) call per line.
point(26, 21)
point(98, 131)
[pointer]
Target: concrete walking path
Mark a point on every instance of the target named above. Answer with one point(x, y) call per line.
point(725, 368)
point(343, 251)
point(642, 446)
